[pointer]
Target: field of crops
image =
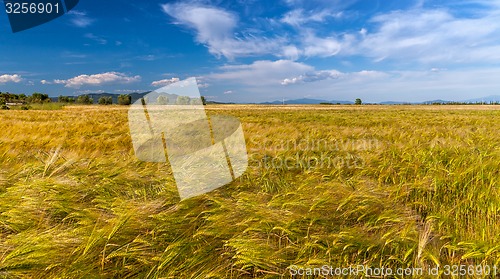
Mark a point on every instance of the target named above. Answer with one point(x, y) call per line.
point(379, 186)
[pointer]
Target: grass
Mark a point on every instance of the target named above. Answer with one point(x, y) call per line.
point(337, 185)
point(39, 106)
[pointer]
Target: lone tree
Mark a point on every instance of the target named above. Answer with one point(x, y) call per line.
point(125, 100)
point(203, 100)
point(358, 101)
point(162, 100)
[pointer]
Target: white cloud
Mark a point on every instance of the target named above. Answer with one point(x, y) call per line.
point(130, 90)
point(299, 17)
point(80, 19)
point(10, 78)
point(90, 92)
point(316, 76)
point(164, 82)
point(44, 82)
point(98, 80)
point(266, 80)
point(97, 39)
point(322, 47)
point(417, 35)
point(261, 73)
point(324, 4)
point(215, 28)
point(228, 92)
point(148, 57)
point(376, 86)
point(312, 77)
point(429, 36)
point(291, 52)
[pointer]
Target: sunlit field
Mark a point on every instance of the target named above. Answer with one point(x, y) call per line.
point(379, 186)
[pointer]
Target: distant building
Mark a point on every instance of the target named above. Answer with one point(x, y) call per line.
point(14, 104)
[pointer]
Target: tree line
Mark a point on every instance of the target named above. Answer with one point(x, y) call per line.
point(123, 99)
point(7, 98)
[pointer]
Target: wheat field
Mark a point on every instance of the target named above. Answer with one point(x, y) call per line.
point(381, 186)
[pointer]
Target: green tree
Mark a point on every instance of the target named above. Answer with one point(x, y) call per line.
point(195, 101)
point(38, 98)
point(182, 100)
point(358, 101)
point(203, 100)
point(105, 100)
point(65, 99)
point(85, 100)
point(124, 99)
point(70, 100)
point(162, 100)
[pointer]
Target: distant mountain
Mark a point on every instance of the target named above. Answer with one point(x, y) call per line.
point(219, 103)
point(488, 99)
point(305, 101)
point(394, 103)
point(436, 102)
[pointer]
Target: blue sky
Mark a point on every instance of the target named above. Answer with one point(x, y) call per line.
point(253, 51)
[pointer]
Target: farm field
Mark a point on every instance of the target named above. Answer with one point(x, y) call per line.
point(378, 186)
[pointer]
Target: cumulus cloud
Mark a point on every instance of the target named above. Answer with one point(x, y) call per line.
point(272, 80)
point(98, 80)
point(215, 28)
point(164, 82)
point(312, 77)
point(10, 78)
point(262, 72)
point(316, 76)
point(411, 86)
